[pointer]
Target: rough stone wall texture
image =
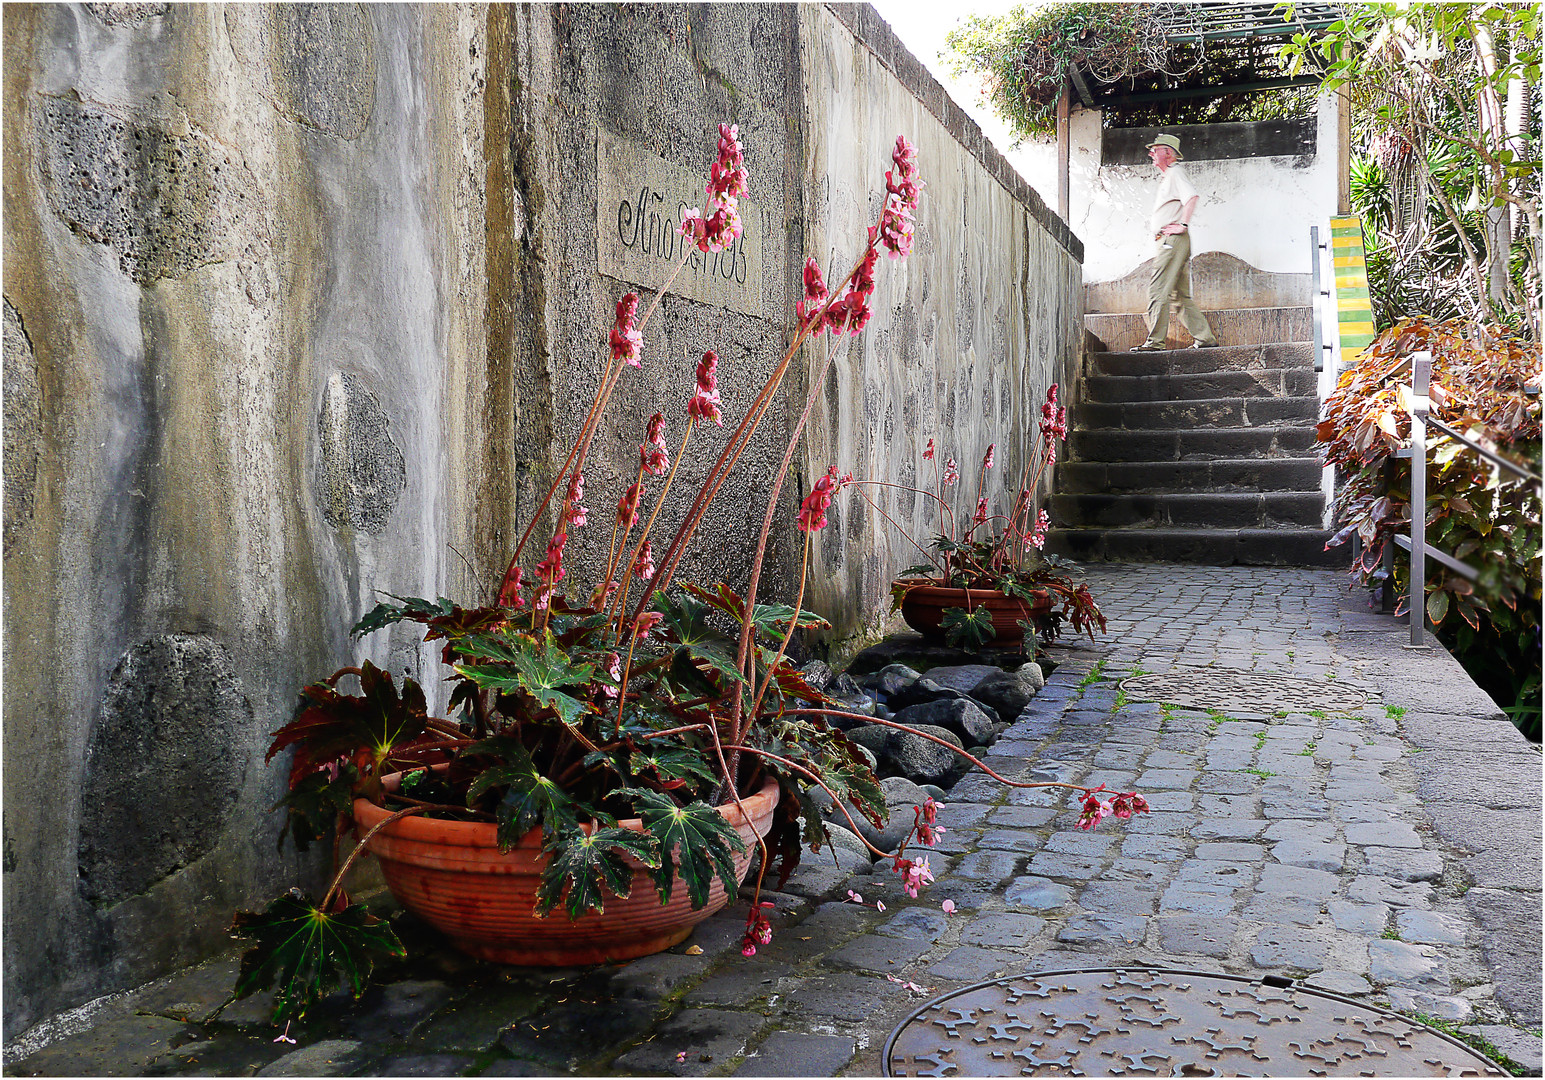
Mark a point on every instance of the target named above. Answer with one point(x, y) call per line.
point(303, 303)
point(967, 334)
point(244, 290)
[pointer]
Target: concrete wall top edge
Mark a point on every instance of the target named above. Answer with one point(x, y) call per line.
point(871, 30)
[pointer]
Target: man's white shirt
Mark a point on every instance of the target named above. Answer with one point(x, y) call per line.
point(1170, 201)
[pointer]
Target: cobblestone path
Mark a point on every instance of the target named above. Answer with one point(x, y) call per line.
point(1386, 849)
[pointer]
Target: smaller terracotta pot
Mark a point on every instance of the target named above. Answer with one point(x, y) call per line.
point(923, 610)
point(452, 875)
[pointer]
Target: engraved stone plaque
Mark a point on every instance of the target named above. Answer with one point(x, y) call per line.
point(639, 201)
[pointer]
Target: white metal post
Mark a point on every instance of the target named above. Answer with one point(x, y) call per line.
point(1421, 372)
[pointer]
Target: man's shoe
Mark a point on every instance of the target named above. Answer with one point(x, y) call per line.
point(1145, 347)
point(1204, 344)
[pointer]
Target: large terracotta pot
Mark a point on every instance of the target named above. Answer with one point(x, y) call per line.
point(452, 875)
point(923, 610)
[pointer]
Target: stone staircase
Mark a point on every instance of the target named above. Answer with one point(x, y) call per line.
point(1197, 456)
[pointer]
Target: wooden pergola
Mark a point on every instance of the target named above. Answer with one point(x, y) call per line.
point(1236, 46)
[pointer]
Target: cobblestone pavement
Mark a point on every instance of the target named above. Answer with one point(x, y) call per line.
point(1388, 851)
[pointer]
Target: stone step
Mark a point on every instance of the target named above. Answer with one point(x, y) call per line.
point(1224, 474)
point(1185, 510)
point(1231, 326)
point(1192, 386)
point(1191, 444)
point(1206, 547)
point(1225, 412)
point(1281, 354)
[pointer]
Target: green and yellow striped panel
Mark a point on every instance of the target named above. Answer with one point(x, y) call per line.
point(1353, 312)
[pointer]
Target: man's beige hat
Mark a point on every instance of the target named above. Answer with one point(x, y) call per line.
point(1167, 140)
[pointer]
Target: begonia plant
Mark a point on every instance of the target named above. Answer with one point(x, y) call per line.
point(575, 706)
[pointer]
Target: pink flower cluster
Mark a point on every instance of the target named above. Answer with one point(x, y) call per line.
point(812, 512)
point(951, 477)
point(573, 512)
point(550, 570)
point(851, 312)
point(928, 453)
point(726, 186)
point(988, 457)
point(915, 873)
point(758, 928)
point(653, 453)
point(643, 566)
point(1121, 806)
point(1037, 539)
point(980, 517)
point(925, 822)
point(627, 506)
point(626, 340)
point(903, 189)
point(705, 398)
point(1054, 423)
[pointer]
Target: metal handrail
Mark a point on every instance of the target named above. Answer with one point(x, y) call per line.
point(1419, 405)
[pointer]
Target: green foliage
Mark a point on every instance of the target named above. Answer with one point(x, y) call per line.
point(702, 842)
point(304, 952)
point(363, 728)
point(1479, 515)
point(530, 800)
point(314, 803)
point(1023, 57)
point(1430, 85)
point(967, 629)
point(585, 866)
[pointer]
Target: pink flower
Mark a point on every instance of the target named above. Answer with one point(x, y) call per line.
point(812, 512)
point(758, 929)
point(1094, 809)
point(653, 452)
point(614, 669)
point(573, 512)
point(1054, 419)
point(816, 295)
point(727, 176)
point(627, 507)
point(980, 517)
point(1038, 538)
point(948, 907)
point(924, 821)
point(550, 570)
point(914, 874)
point(951, 477)
point(928, 453)
point(705, 398)
point(643, 566)
point(853, 896)
point(646, 622)
point(509, 592)
point(879, 905)
point(903, 191)
point(1128, 803)
point(987, 459)
point(626, 340)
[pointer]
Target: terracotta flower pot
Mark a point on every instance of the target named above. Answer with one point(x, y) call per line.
point(923, 610)
point(452, 875)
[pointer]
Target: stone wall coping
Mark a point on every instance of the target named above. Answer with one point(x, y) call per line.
point(866, 25)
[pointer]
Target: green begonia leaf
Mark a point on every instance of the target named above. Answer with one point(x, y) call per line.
point(305, 952)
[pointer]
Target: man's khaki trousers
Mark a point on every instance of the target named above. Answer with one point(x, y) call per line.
point(1172, 281)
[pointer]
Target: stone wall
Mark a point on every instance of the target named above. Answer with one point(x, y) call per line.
point(968, 331)
point(303, 304)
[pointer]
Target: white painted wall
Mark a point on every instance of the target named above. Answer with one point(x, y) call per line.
point(1258, 209)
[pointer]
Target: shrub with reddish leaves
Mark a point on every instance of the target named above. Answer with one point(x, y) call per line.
point(1477, 513)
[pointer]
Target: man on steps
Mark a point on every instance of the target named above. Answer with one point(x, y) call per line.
point(1170, 223)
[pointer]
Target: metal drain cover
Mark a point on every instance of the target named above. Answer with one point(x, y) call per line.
point(1146, 1022)
point(1242, 691)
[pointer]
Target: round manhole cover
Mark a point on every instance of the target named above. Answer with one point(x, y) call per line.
point(1242, 691)
point(1144, 1022)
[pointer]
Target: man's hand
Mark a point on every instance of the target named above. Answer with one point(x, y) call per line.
point(1172, 229)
